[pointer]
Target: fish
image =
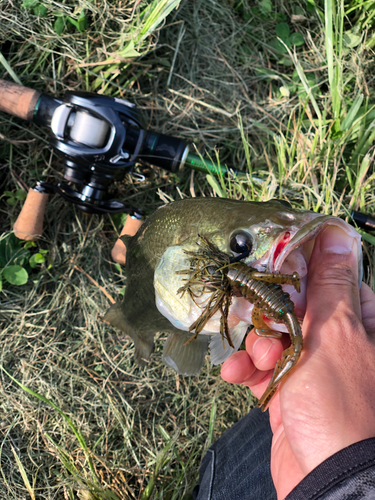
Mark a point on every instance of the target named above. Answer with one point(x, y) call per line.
point(280, 239)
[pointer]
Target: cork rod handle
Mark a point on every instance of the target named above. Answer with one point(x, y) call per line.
point(18, 100)
point(29, 224)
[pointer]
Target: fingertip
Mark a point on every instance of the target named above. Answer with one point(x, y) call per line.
point(264, 351)
point(237, 368)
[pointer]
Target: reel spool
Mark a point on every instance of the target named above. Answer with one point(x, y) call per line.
point(88, 130)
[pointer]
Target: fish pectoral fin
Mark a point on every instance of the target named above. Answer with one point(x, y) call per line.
point(143, 346)
point(219, 352)
point(185, 359)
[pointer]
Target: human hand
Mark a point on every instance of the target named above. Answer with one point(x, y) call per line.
point(328, 401)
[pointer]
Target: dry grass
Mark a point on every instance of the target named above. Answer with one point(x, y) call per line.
point(210, 76)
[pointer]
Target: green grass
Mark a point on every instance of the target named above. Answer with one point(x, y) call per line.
point(283, 92)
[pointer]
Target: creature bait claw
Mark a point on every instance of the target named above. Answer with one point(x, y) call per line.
point(213, 272)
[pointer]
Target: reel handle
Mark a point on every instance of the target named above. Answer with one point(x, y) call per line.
point(118, 252)
point(29, 224)
point(17, 100)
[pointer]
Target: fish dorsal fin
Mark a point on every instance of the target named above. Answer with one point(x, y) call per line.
point(185, 359)
point(218, 352)
point(125, 239)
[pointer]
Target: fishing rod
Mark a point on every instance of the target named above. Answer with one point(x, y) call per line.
point(99, 139)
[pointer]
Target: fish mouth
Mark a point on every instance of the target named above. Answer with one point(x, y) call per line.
point(293, 249)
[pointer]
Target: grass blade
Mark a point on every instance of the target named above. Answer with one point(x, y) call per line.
point(24, 475)
point(330, 44)
point(154, 14)
point(212, 422)
point(350, 117)
point(76, 432)
point(147, 492)
point(6, 65)
point(215, 186)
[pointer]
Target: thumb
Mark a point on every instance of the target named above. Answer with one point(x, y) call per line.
point(332, 288)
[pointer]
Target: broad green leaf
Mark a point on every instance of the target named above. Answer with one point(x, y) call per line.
point(36, 259)
point(12, 251)
point(16, 275)
point(292, 87)
point(29, 244)
point(283, 31)
point(29, 3)
point(285, 61)
point(277, 45)
point(82, 24)
point(119, 220)
point(73, 21)
point(129, 51)
point(310, 6)
point(40, 10)
point(297, 39)
point(20, 194)
point(266, 5)
point(351, 40)
point(12, 202)
point(59, 25)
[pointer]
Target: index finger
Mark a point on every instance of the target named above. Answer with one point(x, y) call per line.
point(254, 365)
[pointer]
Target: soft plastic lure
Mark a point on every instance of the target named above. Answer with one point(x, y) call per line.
point(215, 273)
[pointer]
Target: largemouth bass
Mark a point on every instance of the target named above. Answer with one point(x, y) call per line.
point(280, 240)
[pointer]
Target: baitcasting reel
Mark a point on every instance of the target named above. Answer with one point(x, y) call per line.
point(100, 138)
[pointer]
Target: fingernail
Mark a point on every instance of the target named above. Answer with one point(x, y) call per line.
point(336, 240)
point(260, 349)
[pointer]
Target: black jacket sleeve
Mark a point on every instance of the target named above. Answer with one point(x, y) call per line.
point(348, 474)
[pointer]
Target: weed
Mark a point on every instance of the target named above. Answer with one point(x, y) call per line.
point(282, 92)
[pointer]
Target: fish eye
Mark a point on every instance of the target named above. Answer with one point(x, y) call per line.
point(241, 242)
